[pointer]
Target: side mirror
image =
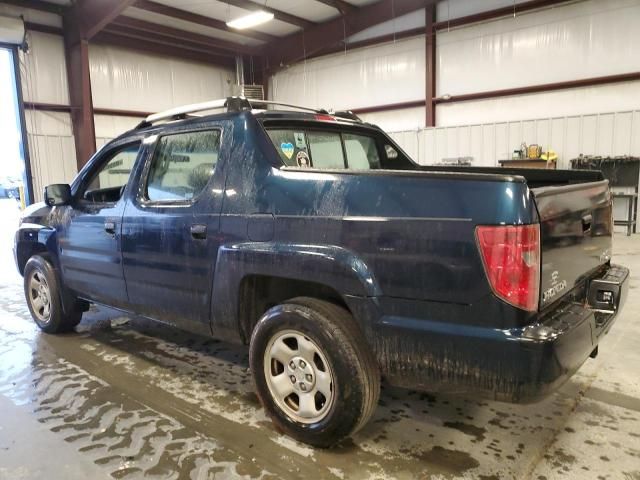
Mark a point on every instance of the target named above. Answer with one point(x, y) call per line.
point(57, 194)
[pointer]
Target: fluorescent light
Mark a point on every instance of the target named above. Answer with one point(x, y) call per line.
point(255, 18)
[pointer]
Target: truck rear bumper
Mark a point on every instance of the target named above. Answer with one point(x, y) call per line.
point(519, 365)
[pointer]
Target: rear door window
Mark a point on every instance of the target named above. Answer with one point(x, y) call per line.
point(182, 165)
point(325, 149)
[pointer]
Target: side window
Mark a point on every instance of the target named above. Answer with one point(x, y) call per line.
point(362, 153)
point(182, 165)
point(107, 183)
point(326, 149)
point(291, 146)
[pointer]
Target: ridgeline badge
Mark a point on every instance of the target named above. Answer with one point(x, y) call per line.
point(556, 287)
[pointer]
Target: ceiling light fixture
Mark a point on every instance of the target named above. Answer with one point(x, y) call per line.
point(254, 18)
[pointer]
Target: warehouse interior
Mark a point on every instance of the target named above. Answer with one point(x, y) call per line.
point(554, 84)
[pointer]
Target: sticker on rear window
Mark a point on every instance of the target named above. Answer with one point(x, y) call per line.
point(303, 159)
point(300, 143)
point(287, 149)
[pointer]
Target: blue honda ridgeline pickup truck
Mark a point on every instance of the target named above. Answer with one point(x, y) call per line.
point(313, 238)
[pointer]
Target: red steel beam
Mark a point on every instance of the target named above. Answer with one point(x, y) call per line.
point(182, 35)
point(278, 14)
point(548, 87)
point(388, 107)
point(54, 107)
point(430, 66)
point(39, 27)
point(47, 107)
point(79, 80)
point(545, 87)
point(296, 47)
point(180, 14)
point(94, 15)
point(162, 39)
point(148, 43)
point(149, 46)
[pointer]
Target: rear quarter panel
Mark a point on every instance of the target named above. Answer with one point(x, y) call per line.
point(414, 231)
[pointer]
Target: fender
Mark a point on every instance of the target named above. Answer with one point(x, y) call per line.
point(332, 266)
point(32, 238)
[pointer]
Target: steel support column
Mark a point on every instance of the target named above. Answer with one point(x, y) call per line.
point(430, 74)
point(79, 80)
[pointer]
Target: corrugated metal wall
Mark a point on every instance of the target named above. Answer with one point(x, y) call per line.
point(50, 134)
point(604, 134)
point(584, 39)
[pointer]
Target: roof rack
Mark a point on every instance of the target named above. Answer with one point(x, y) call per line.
point(231, 104)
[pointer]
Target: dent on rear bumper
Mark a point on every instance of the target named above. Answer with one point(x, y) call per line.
point(519, 365)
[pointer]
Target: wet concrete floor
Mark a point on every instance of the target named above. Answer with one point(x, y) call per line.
point(126, 398)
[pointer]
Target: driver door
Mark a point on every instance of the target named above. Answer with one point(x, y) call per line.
point(90, 239)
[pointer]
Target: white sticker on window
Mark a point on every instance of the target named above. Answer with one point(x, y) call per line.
point(300, 143)
point(303, 159)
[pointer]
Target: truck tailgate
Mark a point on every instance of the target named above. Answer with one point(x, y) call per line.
point(575, 230)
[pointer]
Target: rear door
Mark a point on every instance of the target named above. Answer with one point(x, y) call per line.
point(576, 231)
point(170, 228)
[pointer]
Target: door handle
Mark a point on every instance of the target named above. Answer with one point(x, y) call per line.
point(586, 223)
point(110, 227)
point(198, 231)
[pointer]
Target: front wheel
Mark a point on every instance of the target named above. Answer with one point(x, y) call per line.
point(315, 377)
point(42, 292)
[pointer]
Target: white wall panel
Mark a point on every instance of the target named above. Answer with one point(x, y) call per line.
point(606, 134)
point(389, 73)
point(43, 70)
point(540, 47)
point(110, 126)
point(405, 119)
point(128, 80)
point(51, 149)
point(44, 79)
point(575, 101)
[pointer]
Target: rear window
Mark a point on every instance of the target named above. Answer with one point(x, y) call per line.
point(325, 149)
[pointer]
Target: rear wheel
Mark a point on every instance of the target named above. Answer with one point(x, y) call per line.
point(315, 377)
point(42, 292)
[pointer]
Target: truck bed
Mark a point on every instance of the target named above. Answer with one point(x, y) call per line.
point(535, 178)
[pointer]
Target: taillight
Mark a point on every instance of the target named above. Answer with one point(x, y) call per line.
point(325, 118)
point(511, 257)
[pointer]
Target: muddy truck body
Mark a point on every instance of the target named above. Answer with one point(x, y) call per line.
point(484, 281)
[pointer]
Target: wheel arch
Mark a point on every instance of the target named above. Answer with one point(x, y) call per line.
point(35, 240)
point(40, 240)
point(252, 277)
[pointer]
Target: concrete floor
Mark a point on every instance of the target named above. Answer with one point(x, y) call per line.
point(126, 398)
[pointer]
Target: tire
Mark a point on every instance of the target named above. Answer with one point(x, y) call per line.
point(43, 295)
point(326, 338)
